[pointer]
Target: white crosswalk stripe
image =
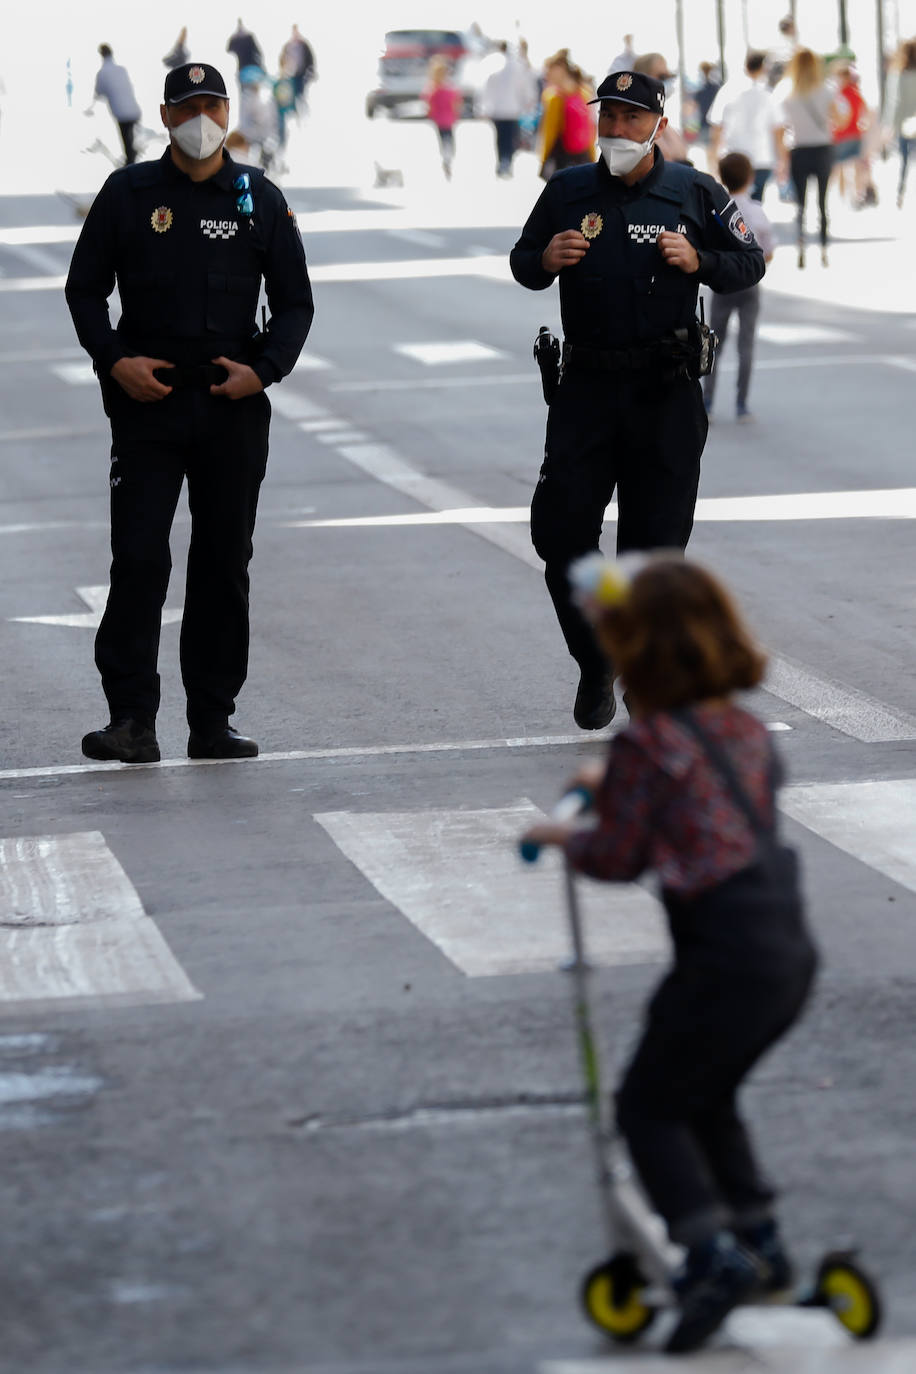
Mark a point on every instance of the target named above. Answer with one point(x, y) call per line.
point(804, 334)
point(873, 821)
point(459, 351)
point(457, 876)
point(73, 926)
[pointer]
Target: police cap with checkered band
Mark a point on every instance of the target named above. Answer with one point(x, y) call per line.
point(194, 78)
point(632, 88)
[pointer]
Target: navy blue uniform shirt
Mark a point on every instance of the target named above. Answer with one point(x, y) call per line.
point(188, 263)
point(623, 293)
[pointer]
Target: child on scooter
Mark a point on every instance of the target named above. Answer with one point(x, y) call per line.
point(688, 791)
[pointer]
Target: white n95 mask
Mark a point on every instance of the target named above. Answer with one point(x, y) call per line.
point(622, 154)
point(199, 138)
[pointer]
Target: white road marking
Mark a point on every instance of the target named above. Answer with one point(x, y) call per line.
point(40, 526)
point(495, 267)
point(899, 360)
point(42, 355)
point(292, 406)
point(846, 709)
point(313, 426)
point(433, 383)
point(460, 351)
point(32, 283)
point(38, 259)
point(310, 362)
point(342, 436)
point(894, 504)
point(420, 238)
point(457, 876)
point(804, 334)
point(75, 374)
point(307, 755)
point(873, 821)
point(74, 926)
point(12, 236)
point(96, 598)
point(25, 436)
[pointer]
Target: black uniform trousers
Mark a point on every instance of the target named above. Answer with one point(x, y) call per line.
point(708, 1024)
point(220, 446)
point(633, 430)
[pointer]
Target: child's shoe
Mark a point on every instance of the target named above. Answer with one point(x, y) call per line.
point(766, 1245)
point(718, 1275)
point(742, 414)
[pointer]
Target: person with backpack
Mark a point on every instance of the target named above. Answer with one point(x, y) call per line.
point(631, 238)
point(567, 133)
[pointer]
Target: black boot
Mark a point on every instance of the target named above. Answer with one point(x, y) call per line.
point(718, 1275)
point(766, 1245)
point(595, 702)
point(220, 742)
point(124, 739)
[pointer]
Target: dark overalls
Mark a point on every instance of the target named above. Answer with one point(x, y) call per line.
point(628, 414)
point(189, 262)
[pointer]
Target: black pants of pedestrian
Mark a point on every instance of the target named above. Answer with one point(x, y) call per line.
point(632, 431)
point(220, 446)
point(747, 306)
point(677, 1105)
point(805, 163)
point(506, 143)
point(126, 127)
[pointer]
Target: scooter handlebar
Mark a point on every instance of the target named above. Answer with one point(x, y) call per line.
point(570, 805)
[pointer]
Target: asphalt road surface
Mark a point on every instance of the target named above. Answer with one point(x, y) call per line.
point(288, 1077)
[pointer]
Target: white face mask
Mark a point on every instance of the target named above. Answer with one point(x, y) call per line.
point(622, 154)
point(199, 138)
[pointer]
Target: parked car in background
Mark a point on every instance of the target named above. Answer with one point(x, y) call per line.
point(404, 64)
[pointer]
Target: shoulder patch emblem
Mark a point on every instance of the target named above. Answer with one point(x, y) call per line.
point(592, 225)
point(738, 227)
point(161, 219)
point(196, 75)
point(624, 82)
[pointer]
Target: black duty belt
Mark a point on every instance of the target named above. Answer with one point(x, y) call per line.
point(185, 377)
point(616, 359)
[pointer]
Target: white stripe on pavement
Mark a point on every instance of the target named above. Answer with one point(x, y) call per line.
point(460, 351)
point(457, 876)
point(873, 821)
point(74, 926)
point(358, 751)
point(75, 374)
point(851, 712)
point(890, 504)
point(495, 267)
point(804, 334)
point(33, 283)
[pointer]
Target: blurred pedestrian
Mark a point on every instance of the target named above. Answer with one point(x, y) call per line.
point(567, 130)
point(737, 176)
point(688, 791)
point(188, 240)
point(705, 93)
point(630, 238)
point(671, 141)
point(298, 60)
point(506, 95)
point(444, 103)
point(245, 48)
point(849, 137)
point(179, 55)
point(113, 85)
point(804, 138)
point(783, 50)
point(743, 119)
point(902, 106)
point(625, 59)
point(258, 114)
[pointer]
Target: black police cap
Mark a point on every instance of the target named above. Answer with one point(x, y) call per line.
point(632, 88)
point(194, 78)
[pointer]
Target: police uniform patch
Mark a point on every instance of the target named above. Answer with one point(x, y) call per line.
point(738, 227)
point(592, 225)
point(161, 219)
point(219, 228)
point(196, 75)
point(624, 82)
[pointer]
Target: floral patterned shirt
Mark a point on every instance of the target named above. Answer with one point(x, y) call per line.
point(663, 806)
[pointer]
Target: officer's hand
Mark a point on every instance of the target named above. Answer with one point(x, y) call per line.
point(242, 381)
point(135, 376)
point(564, 250)
point(678, 251)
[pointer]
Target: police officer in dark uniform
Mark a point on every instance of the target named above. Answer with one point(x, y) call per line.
point(188, 239)
point(631, 238)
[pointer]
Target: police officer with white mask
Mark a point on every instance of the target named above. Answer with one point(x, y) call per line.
point(631, 237)
point(188, 240)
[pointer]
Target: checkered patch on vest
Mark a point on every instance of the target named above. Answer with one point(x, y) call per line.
point(219, 228)
point(648, 233)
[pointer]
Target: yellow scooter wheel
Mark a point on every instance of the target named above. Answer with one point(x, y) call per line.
point(850, 1294)
point(611, 1298)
